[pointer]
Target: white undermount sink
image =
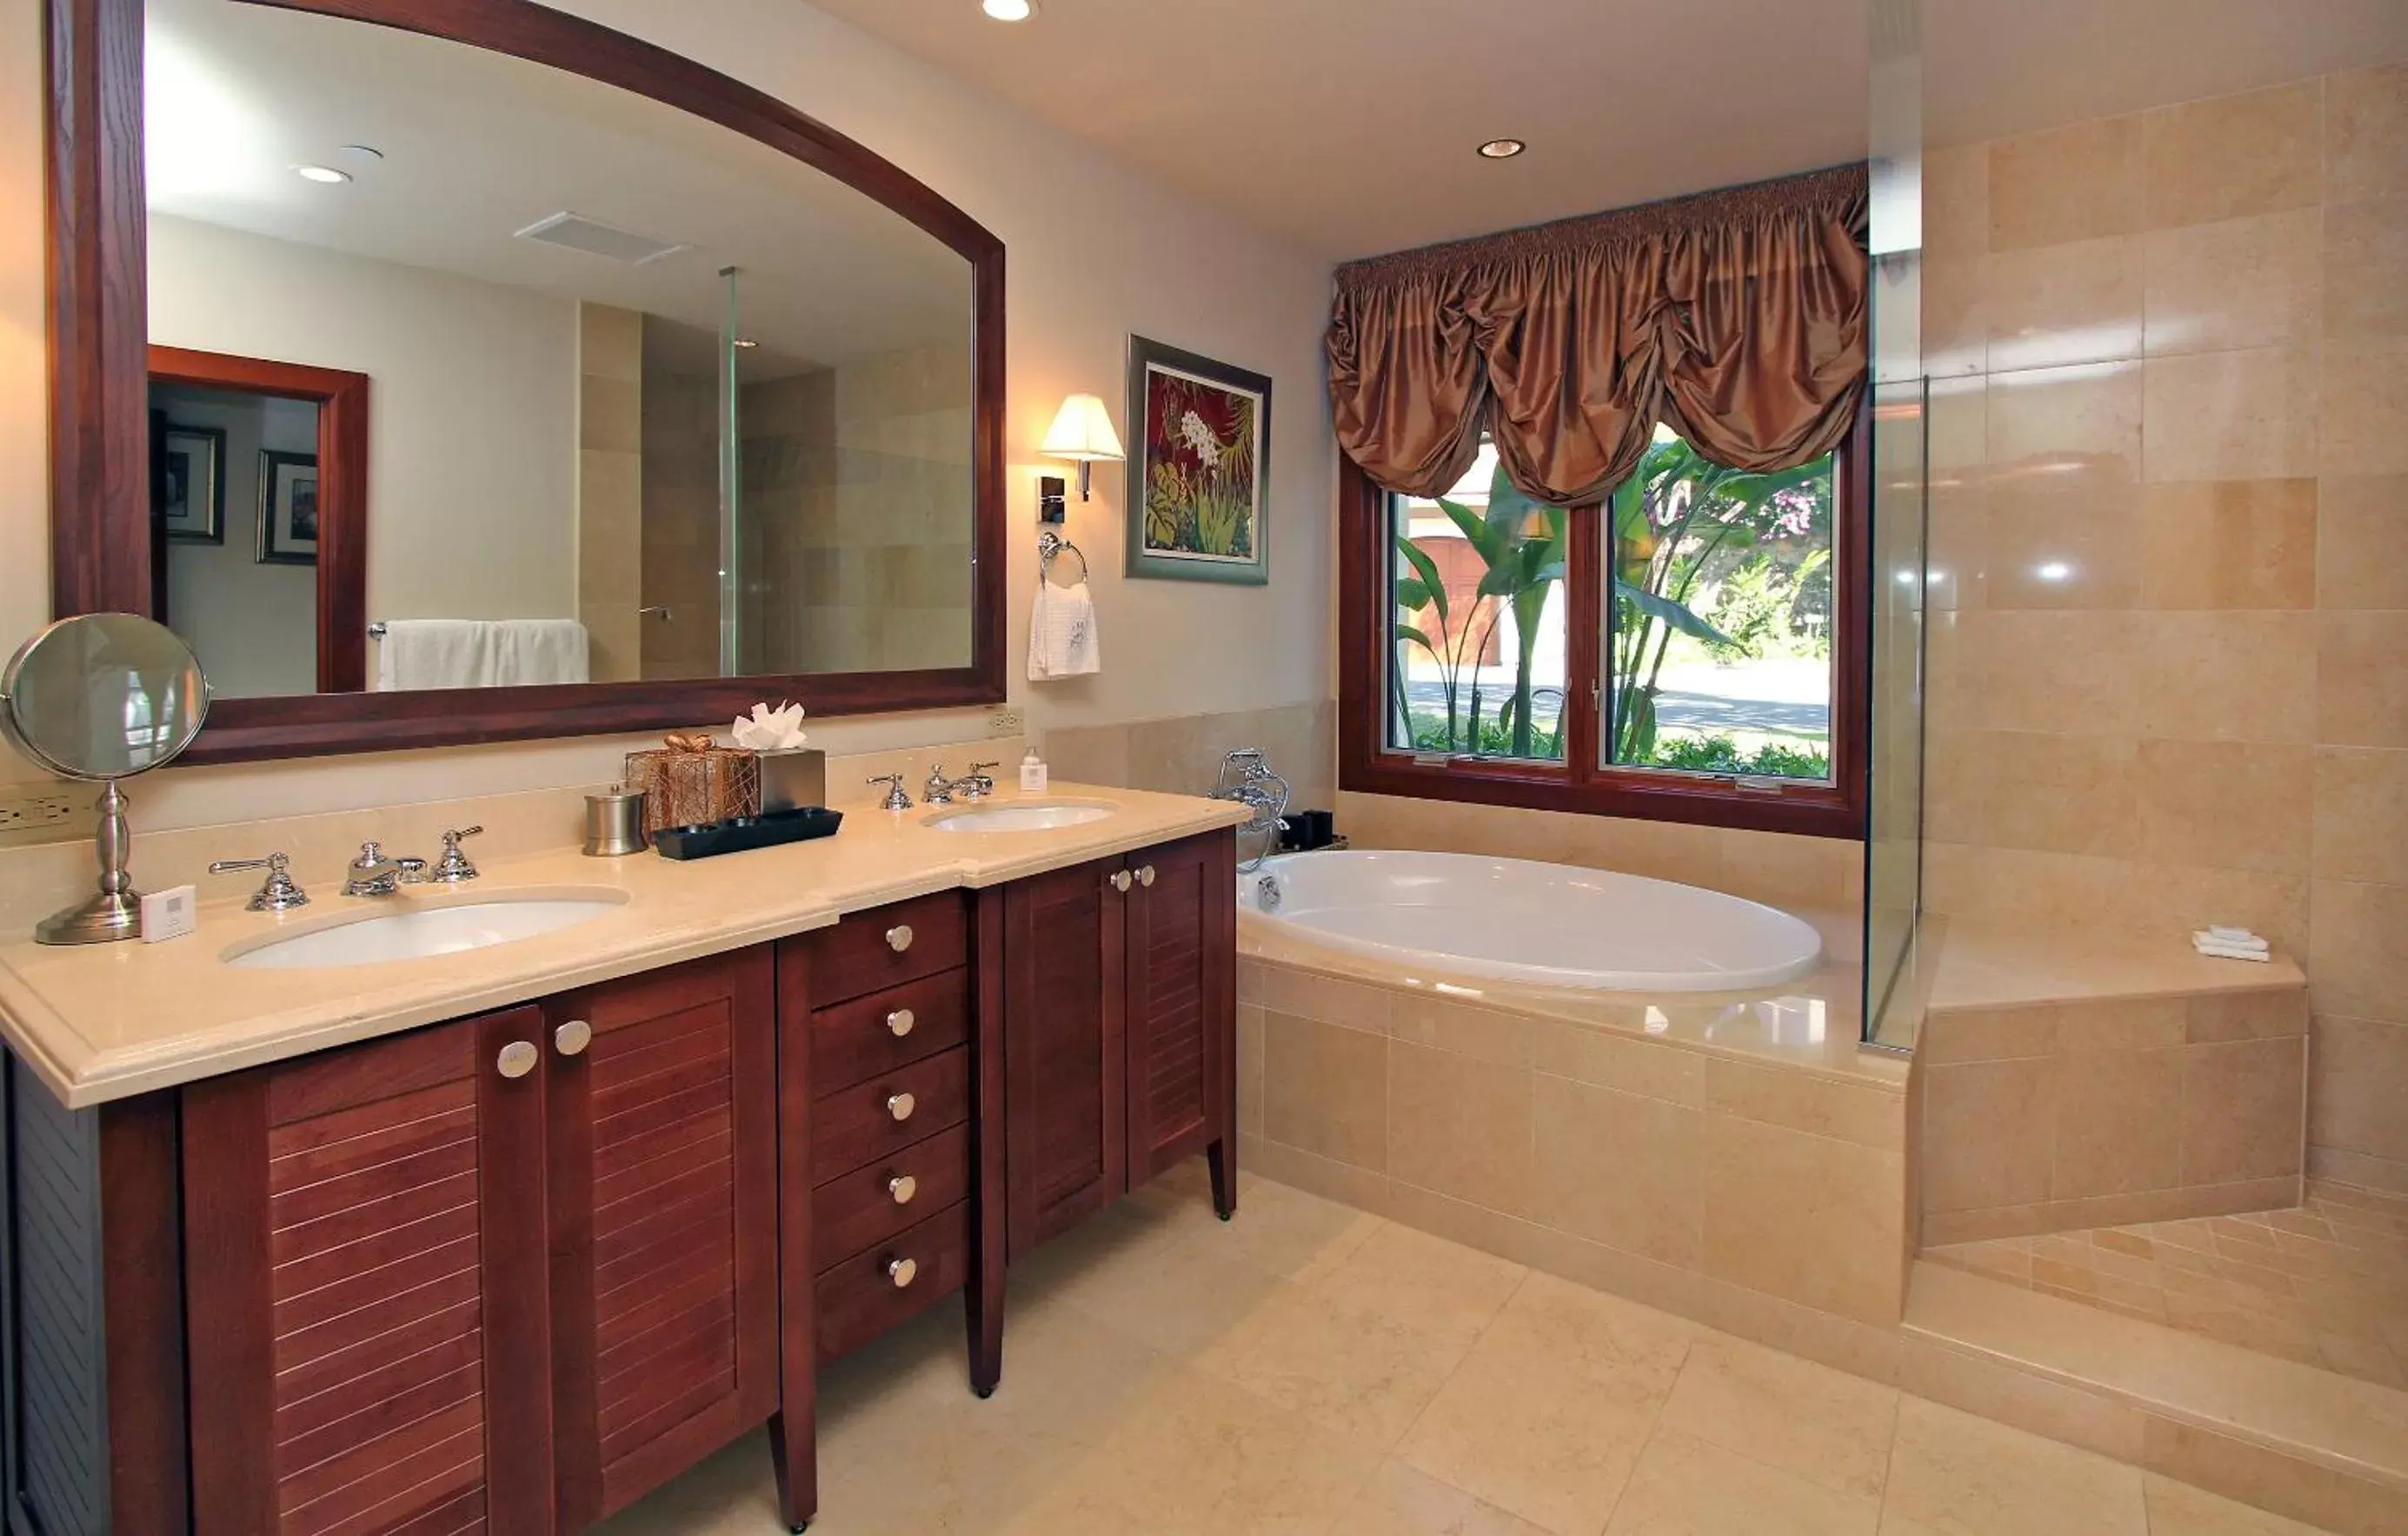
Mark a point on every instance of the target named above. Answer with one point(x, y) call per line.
point(425, 932)
point(1019, 817)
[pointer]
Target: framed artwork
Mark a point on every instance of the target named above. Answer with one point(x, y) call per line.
point(1199, 478)
point(288, 507)
point(190, 485)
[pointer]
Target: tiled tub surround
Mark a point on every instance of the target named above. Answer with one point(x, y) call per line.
point(1181, 754)
point(2170, 446)
point(2044, 1116)
point(1738, 1159)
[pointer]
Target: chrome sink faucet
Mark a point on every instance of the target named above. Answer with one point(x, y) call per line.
point(895, 799)
point(373, 874)
point(977, 784)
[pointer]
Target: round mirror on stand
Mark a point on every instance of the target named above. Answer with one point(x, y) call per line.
point(102, 697)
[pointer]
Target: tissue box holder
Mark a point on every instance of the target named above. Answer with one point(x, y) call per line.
point(793, 779)
point(684, 787)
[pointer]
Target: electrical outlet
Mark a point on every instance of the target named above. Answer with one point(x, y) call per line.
point(36, 811)
point(1007, 720)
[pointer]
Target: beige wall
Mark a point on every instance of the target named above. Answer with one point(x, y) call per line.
point(609, 489)
point(2170, 491)
point(1096, 251)
point(471, 408)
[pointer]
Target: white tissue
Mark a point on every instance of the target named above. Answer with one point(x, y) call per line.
point(769, 730)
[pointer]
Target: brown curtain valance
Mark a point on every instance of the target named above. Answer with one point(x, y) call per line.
point(1738, 317)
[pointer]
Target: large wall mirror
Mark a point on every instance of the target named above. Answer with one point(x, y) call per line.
point(501, 376)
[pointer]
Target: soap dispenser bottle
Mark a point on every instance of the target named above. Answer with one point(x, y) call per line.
point(1032, 773)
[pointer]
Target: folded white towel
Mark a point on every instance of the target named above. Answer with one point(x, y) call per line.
point(1062, 639)
point(2227, 952)
point(2231, 938)
point(481, 653)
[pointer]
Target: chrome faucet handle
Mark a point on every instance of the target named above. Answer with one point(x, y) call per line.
point(979, 785)
point(454, 867)
point(372, 873)
point(279, 893)
point(939, 789)
point(895, 799)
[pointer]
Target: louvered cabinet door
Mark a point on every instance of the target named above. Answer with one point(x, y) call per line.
point(364, 1289)
point(1065, 998)
point(663, 1106)
point(1182, 1003)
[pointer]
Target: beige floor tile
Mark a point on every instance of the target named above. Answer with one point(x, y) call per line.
point(1822, 1424)
point(1423, 1279)
point(2177, 1509)
point(1400, 1501)
point(1355, 1371)
point(1198, 1456)
point(1547, 1415)
point(1953, 1472)
point(1686, 1487)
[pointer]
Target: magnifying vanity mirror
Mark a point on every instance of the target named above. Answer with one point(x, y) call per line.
point(103, 697)
point(505, 376)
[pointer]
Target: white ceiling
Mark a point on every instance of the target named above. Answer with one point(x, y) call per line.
point(478, 146)
point(1349, 125)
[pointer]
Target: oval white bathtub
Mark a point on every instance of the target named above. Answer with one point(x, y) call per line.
point(1548, 925)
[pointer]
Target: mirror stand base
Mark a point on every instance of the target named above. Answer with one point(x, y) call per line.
point(105, 917)
point(115, 910)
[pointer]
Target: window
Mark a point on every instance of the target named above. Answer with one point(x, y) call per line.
point(1684, 651)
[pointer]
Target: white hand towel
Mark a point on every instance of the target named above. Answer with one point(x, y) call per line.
point(435, 653)
point(541, 651)
point(2228, 951)
point(479, 653)
point(1062, 639)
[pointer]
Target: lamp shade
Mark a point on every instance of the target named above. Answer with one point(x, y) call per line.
point(1082, 429)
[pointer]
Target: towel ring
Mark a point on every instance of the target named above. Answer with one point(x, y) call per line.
point(1049, 544)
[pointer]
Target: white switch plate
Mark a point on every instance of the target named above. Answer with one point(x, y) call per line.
point(1007, 720)
point(170, 914)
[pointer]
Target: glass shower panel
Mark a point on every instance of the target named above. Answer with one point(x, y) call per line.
point(1894, 835)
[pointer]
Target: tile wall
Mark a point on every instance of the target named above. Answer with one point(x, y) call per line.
point(2170, 491)
point(611, 489)
point(1181, 754)
point(2051, 1117)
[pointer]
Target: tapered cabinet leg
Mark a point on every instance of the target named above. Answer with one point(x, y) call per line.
point(791, 1454)
point(1221, 1156)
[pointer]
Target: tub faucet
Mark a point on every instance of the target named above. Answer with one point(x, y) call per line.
point(1246, 777)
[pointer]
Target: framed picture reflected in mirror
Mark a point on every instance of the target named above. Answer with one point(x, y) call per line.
point(191, 484)
point(288, 507)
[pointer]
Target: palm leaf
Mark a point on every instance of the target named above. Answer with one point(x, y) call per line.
point(1665, 611)
point(1426, 568)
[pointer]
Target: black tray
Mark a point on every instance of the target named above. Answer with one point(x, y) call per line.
point(742, 833)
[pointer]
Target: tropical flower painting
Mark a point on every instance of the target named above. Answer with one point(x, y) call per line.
point(1196, 494)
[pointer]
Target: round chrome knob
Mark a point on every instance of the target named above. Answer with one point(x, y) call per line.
point(899, 1022)
point(571, 1039)
point(517, 1058)
point(900, 1105)
point(1120, 881)
point(902, 1271)
point(1145, 876)
point(902, 1187)
point(898, 938)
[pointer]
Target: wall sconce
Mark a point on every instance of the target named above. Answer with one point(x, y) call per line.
point(1082, 430)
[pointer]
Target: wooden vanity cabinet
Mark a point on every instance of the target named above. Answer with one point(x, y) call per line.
point(505, 1274)
point(1119, 997)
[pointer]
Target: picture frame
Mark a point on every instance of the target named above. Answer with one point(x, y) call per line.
point(1199, 468)
point(288, 507)
point(188, 485)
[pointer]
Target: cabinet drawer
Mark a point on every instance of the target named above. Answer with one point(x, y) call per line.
point(859, 1298)
point(852, 1126)
point(858, 1040)
point(854, 1211)
point(871, 950)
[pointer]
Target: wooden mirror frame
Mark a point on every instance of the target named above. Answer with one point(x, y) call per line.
point(99, 347)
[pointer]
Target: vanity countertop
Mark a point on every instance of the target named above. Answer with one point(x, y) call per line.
point(109, 1021)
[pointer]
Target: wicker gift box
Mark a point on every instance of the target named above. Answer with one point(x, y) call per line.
point(692, 779)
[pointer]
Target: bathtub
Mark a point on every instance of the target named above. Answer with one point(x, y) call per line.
point(1546, 924)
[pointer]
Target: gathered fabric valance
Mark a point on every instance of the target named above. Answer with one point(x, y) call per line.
point(1737, 317)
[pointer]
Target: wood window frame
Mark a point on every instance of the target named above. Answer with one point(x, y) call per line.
point(1367, 765)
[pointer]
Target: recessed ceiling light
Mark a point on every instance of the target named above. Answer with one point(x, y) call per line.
point(327, 174)
point(1008, 11)
point(1501, 148)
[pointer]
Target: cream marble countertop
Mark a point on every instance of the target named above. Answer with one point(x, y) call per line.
point(108, 1021)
